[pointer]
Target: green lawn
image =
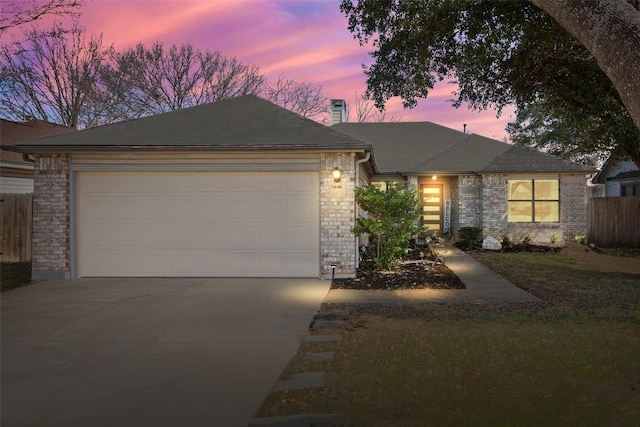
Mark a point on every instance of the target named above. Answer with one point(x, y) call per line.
point(574, 360)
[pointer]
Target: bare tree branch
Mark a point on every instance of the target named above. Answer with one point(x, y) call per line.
point(143, 81)
point(300, 97)
point(365, 111)
point(50, 75)
point(18, 12)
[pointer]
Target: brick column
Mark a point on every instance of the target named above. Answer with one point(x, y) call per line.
point(469, 202)
point(494, 206)
point(51, 220)
point(337, 215)
point(573, 205)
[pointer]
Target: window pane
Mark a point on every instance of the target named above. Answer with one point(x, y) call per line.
point(431, 208)
point(520, 212)
point(547, 189)
point(520, 189)
point(547, 212)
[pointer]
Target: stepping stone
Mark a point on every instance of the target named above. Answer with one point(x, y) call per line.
point(320, 357)
point(321, 323)
point(323, 338)
point(300, 381)
point(302, 420)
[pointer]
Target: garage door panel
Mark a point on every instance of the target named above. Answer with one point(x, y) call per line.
point(214, 209)
point(198, 224)
point(184, 208)
point(124, 208)
point(300, 210)
point(243, 236)
point(244, 183)
point(218, 183)
point(213, 263)
point(272, 236)
point(96, 209)
point(301, 237)
point(272, 209)
point(156, 208)
point(214, 236)
point(274, 183)
point(242, 209)
point(302, 183)
point(299, 262)
point(154, 235)
point(125, 235)
point(185, 235)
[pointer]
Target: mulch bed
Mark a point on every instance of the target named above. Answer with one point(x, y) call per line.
point(411, 274)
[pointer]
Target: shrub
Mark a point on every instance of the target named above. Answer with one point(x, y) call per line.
point(469, 238)
point(390, 220)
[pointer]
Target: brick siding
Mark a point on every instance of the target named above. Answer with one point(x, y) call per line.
point(337, 215)
point(51, 222)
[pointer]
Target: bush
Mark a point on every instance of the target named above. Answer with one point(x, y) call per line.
point(469, 238)
point(390, 220)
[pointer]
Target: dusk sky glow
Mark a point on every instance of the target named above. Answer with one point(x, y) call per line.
point(306, 40)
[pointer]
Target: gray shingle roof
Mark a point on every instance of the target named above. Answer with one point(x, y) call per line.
point(427, 148)
point(245, 122)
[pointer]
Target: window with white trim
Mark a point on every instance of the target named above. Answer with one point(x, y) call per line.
point(533, 200)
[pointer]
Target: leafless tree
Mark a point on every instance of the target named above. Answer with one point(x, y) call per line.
point(17, 12)
point(156, 80)
point(50, 74)
point(303, 98)
point(363, 110)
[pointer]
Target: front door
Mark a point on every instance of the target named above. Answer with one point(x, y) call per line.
point(431, 196)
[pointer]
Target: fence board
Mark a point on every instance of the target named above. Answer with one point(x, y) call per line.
point(614, 221)
point(15, 227)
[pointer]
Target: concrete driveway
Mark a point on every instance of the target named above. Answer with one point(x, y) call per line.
point(149, 352)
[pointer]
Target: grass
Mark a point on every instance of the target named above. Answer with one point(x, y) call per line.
point(571, 361)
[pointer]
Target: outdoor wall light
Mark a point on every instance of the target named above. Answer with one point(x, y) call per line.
point(337, 174)
point(434, 177)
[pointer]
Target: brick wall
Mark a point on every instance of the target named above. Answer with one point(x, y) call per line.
point(573, 205)
point(469, 201)
point(337, 215)
point(494, 206)
point(50, 259)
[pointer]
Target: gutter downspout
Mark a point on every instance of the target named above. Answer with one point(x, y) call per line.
point(356, 183)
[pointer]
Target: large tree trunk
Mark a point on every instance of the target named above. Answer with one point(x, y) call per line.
point(610, 30)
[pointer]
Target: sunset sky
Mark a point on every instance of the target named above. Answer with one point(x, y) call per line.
point(307, 40)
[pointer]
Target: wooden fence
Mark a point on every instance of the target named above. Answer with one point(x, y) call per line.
point(15, 227)
point(614, 221)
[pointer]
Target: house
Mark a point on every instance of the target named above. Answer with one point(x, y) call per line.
point(16, 173)
point(466, 180)
point(618, 178)
point(242, 187)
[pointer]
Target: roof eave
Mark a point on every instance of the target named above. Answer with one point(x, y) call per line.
point(141, 148)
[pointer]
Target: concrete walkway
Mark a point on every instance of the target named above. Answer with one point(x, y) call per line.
point(483, 286)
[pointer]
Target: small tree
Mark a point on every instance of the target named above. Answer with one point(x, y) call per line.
point(391, 220)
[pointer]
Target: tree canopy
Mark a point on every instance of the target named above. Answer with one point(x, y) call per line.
point(499, 53)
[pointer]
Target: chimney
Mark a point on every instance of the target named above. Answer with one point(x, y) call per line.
point(338, 111)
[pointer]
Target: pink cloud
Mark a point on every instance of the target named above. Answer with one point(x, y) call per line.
point(305, 40)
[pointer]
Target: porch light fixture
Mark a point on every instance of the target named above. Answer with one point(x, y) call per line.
point(434, 177)
point(337, 174)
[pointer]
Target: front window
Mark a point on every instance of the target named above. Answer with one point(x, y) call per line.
point(534, 200)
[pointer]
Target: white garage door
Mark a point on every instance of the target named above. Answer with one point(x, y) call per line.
point(225, 224)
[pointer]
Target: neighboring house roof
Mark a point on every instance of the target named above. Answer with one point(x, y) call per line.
point(246, 122)
point(14, 132)
point(427, 148)
point(611, 167)
point(629, 175)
